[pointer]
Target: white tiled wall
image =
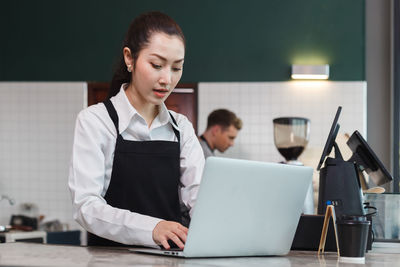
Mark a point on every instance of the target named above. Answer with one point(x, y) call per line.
point(36, 131)
point(257, 104)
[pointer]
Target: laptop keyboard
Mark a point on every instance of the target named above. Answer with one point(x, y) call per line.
point(173, 246)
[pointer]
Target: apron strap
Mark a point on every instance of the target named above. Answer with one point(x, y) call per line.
point(177, 134)
point(113, 113)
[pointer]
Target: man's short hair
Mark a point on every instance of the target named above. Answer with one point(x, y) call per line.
point(224, 118)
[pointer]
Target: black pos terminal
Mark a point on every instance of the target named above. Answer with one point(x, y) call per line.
point(341, 184)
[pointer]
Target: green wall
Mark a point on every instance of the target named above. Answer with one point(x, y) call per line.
point(226, 40)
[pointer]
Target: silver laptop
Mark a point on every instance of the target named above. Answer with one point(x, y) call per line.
point(244, 208)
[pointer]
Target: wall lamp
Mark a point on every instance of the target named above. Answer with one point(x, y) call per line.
point(310, 72)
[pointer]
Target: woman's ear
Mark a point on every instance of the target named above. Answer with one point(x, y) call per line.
point(128, 59)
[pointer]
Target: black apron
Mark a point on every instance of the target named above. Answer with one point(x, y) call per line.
point(145, 178)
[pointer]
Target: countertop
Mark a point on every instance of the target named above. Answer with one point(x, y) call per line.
point(31, 254)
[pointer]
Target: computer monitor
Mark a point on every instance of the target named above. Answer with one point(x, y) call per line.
point(331, 138)
point(366, 159)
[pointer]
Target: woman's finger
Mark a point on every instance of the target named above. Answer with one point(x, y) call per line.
point(164, 243)
point(183, 228)
point(181, 234)
point(176, 240)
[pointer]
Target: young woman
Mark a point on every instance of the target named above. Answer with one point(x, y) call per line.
point(134, 163)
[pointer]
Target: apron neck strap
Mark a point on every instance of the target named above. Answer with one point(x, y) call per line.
point(113, 113)
point(178, 136)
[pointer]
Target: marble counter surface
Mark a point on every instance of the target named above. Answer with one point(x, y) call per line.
point(29, 254)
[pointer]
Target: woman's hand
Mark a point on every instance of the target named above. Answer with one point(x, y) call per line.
point(168, 230)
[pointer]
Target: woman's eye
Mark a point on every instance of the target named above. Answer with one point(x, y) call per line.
point(176, 69)
point(156, 66)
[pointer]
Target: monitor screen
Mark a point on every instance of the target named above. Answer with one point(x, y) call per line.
point(331, 138)
point(367, 160)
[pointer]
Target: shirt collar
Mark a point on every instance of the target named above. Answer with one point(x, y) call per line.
point(126, 112)
point(164, 117)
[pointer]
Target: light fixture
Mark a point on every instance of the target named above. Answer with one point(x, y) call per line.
point(310, 72)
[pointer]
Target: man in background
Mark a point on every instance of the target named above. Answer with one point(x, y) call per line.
point(222, 129)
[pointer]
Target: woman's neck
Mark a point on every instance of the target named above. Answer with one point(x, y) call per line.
point(147, 110)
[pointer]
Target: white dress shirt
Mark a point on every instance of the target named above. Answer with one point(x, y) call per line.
point(92, 160)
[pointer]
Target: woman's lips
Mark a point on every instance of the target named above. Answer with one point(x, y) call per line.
point(160, 93)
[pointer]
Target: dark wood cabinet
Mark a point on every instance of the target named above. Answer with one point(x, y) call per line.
point(97, 92)
point(182, 100)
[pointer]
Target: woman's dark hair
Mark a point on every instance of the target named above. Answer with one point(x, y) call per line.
point(137, 38)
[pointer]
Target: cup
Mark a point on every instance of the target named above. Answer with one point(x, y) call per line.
point(353, 237)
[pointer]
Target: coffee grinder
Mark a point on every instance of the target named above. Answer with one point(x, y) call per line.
point(291, 135)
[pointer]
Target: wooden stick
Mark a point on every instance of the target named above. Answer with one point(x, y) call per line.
point(335, 228)
point(322, 241)
point(330, 212)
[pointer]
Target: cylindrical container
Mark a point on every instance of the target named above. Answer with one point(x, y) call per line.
point(353, 237)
